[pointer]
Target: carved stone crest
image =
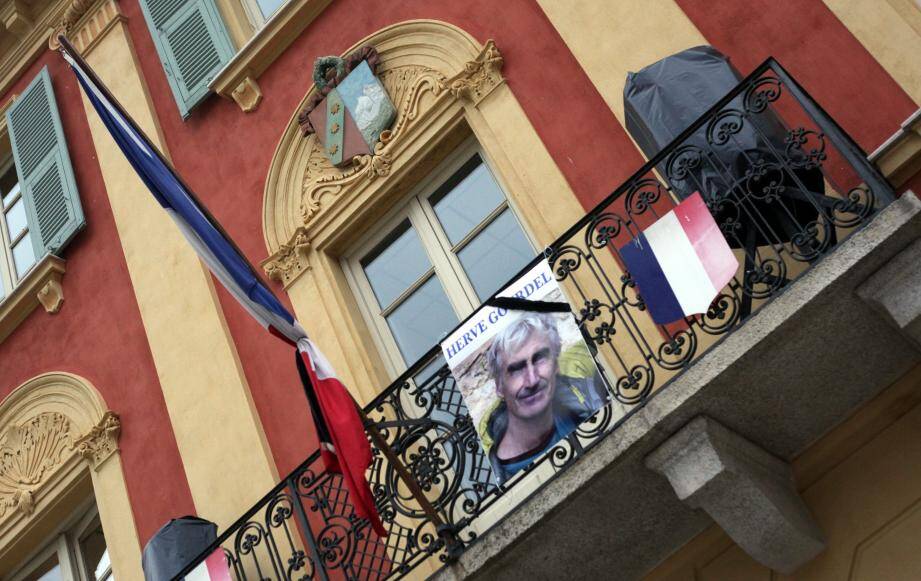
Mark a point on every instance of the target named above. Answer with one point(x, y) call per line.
point(351, 109)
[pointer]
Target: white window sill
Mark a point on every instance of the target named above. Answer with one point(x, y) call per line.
point(237, 80)
point(41, 286)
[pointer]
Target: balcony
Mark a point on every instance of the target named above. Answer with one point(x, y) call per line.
point(786, 352)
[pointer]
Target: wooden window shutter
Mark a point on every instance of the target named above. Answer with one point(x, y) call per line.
point(193, 44)
point(45, 175)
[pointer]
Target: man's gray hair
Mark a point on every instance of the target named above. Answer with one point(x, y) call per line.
point(515, 335)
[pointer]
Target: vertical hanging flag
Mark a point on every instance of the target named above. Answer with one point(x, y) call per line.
point(681, 262)
point(346, 449)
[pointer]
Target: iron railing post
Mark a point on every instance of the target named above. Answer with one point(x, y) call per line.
point(850, 150)
point(319, 566)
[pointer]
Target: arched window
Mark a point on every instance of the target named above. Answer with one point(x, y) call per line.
point(329, 229)
point(58, 453)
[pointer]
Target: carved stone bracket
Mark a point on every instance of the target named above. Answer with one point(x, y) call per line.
point(247, 94)
point(479, 77)
point(51, 296)
point(290, 261)
point(101, 441)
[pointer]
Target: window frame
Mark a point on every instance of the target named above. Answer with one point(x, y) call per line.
point(457, 285)
point(64, 541)
point(10, 279)
point(254, 13)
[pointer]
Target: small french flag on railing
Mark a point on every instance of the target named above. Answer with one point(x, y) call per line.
point(681, 262)
point(214, 568)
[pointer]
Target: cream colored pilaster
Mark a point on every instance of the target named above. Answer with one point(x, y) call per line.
point(117, 519)
point(99, 447)
point(220, 438)
point(891, 32)
point(610, 39)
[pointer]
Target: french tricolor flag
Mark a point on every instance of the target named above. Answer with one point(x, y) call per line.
point(681, 262)
point(344, 446)
point(214, 568)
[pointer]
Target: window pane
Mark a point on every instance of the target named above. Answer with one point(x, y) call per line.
point(421, 320)
point(268, 7)
point(16, 218)
point(396, 264)
point(466, 199)
point(9, 186)
point(495, 255)
point(23, 255)
point(95, 555)
point(50, 570)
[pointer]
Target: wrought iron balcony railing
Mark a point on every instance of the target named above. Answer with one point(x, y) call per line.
point(782, 201)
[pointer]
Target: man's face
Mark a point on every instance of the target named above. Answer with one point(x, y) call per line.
point(529, 378)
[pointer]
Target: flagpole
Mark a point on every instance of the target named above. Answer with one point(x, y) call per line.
point(445, 532)
point(453, 545)
point(65, 43)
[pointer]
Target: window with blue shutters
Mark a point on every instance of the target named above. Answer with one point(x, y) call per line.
point(39, 203)
point(193, 45)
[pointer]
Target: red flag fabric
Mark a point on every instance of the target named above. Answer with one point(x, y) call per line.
point(343, 444)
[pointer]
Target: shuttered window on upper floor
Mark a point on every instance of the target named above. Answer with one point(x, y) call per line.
point(40, 205)
point(193, 45)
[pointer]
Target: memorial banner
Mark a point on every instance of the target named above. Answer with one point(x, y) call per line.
point(527, 377)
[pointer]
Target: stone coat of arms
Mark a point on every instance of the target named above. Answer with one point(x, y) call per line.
point(351, 107)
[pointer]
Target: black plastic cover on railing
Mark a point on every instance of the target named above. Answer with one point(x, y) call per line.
point(785, 184)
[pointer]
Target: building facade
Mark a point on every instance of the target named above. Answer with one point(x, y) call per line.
point(134, 389)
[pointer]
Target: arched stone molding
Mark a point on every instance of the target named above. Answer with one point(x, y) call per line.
point(59, 446)
point(445, 85)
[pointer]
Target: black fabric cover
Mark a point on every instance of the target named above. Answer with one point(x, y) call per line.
point(174, 545)
point(666, 97)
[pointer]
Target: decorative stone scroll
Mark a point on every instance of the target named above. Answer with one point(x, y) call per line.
point(29, 453)
point(34, 448)
point(302, 168)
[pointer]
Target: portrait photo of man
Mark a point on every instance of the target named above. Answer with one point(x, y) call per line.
point(543, 392)
point(525, 372)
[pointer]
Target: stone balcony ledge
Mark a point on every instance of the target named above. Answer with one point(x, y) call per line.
point(792, 372)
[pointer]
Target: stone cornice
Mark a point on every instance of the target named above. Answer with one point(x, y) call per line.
point(237, 80)
point(85, 22)
point(899, 158)
point(32, 41)
point(41, 286)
